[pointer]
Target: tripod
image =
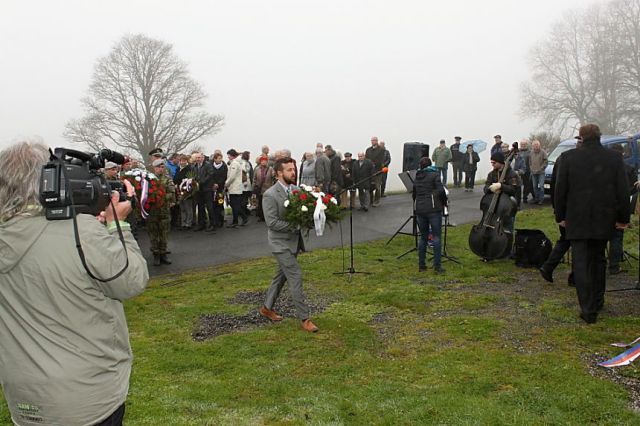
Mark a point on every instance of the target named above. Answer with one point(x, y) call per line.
point(414, 231)
point(445, 255)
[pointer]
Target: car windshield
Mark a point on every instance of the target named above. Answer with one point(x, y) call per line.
point(559, 150)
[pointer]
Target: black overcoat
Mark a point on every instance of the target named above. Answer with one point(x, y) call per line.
point(591, 192)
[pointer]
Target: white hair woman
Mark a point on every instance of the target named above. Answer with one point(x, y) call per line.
point(67, 358)
point(20, 168)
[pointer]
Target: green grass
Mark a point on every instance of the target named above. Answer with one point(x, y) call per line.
point(485, 343)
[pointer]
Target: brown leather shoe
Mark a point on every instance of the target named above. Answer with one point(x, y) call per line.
point(307, 325)
point(268, 313)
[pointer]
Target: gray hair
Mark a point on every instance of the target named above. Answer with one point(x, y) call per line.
point(20, 170)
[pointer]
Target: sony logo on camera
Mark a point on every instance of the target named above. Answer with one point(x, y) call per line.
point(71, 183)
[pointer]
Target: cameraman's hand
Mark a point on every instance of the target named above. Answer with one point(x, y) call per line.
point(122, 208)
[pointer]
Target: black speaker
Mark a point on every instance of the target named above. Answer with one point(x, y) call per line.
point(412, 153)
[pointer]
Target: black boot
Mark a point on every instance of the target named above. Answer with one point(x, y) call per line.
point(156, 260)
point(165, 259)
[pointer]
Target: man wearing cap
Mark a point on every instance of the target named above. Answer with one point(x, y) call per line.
point(508, 187)
point(159, 220)
point(591, 201)
point(154, 155)
point(456, 162)
point(441, 157)
point(497, 146)
point(111, 170)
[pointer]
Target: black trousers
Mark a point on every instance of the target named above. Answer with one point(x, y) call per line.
point(527, 187)
point(555, 257)
point(589, 274)
point(469, 179)
point(115, 419)
point(237, 208)
point(205, 202)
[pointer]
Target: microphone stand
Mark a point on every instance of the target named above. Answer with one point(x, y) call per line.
point(352, 270)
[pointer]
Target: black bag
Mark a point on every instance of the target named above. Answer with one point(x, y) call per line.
point(532, 248)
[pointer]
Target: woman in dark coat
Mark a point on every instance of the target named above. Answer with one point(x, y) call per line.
point(430, 199)
point(470, 162)
point(219, 178)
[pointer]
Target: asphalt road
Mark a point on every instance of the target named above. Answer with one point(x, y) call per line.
point(195, 250)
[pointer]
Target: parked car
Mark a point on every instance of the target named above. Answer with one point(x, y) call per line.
point(631, 152)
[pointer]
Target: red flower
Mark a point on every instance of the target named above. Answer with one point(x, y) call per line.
point(303, 196)
point(295, 191)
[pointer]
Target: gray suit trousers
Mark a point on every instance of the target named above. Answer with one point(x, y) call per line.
point(288, 270)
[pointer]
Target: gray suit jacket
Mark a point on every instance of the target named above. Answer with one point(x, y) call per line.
point(281, 236)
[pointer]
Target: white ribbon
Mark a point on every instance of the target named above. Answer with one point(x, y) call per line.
point(144, 194)
point(319, 217)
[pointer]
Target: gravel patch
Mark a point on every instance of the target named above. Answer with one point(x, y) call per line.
point(212, 325)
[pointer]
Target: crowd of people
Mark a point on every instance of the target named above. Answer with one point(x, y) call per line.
point(198, 188)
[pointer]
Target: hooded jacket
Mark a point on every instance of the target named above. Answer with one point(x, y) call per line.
point(428, 191)
point(65, 356)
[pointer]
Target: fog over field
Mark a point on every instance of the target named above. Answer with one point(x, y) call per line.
point(291, 73)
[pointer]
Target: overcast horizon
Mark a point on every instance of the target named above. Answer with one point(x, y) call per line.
point(288, 73)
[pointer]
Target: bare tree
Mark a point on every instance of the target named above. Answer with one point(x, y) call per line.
point(142, 97)
point(626, 14)
point(578, 73)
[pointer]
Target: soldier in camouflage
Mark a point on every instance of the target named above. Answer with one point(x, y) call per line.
point(159, 220)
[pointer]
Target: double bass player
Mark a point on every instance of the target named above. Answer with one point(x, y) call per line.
point(508, 187)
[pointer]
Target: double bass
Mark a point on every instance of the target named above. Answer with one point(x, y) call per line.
point(488, 239)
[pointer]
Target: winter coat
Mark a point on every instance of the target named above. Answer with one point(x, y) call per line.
point(591, 192)
point(376, 155)
point(308, 173)
point(428, 191)
point(220, 175)
point(323, 170)
point(470, 161)
point(263, 178)
point(362, 174)
point(234, 182)
point(204, 176)
point(65, 355)
point(440, 157)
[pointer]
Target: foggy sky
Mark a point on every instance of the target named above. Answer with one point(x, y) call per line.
point(291, 73)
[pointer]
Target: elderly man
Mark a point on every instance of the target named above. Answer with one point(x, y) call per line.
point(204, 197)
point(441, 157)
point(385, 163)
point(375, 153)
point(363, 169)
point(537, 163)
point(591, 201)
point(66, 357)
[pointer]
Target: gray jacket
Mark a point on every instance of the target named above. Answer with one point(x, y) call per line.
point(323, 170)
point(281, 236)
point(65, 355)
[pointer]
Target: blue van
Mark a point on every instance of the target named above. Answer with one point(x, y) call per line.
point(630, 151)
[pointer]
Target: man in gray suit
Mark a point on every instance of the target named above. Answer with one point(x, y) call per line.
point(285, 243)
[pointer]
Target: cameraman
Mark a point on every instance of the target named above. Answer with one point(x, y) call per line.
point(65, 355)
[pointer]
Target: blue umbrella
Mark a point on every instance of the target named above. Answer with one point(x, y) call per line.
point(478, 145)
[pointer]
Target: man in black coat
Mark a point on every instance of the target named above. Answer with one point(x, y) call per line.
point(204, 196)
point(591, 201)
point(363, 169)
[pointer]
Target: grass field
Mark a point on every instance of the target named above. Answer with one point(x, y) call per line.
point(485, 343)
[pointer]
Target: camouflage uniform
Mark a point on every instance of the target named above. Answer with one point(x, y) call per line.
point(159, 220)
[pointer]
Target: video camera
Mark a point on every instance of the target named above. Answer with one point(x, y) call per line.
point(73, 179)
